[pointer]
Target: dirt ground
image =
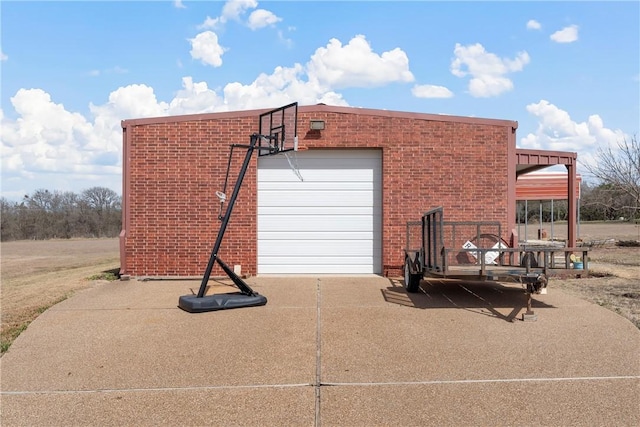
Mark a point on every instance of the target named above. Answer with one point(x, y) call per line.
point(614, 280)
point(38, 274)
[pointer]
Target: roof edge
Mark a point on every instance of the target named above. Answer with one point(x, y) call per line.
point(193, 117)
point(407, 114)
point(322, 108)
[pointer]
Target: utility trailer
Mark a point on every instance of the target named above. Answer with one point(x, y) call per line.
point(475, 250)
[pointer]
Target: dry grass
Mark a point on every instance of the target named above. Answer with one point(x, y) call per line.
point(614, 282)
point(615, 271)
point(39, 274)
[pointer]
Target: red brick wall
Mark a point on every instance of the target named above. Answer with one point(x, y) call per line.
point(175, 170)
point(176, 167)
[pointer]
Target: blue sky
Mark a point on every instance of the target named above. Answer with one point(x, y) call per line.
point(569, 73)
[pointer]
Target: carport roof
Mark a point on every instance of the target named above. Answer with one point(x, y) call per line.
point(533, 160)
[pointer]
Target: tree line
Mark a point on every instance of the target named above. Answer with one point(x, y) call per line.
point(44, 214)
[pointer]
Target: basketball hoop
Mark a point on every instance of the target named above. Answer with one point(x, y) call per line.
point(277, 134)
point(278, 130)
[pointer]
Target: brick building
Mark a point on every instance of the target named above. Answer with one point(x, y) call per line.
point(364, 176)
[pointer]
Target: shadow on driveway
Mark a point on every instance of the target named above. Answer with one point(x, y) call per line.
point(482, 298)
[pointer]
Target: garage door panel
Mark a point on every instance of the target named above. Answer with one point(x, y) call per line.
point(316, 260)
point(303, 186)
point(316, 235)
point(328, 222)
point(320, 175)
point(319, 223)
point(318, 269)
point(297, 248)
point(322, 159)
point(316, 210)
point(318, 198)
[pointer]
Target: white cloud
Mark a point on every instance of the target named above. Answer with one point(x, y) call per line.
point(285, 40)
point(356, 65)
point(50, 147)
point(487, 70)
point(113, 70)
point(206, 48)
point(288, 42)
point(233, 9)
point(431, 91)
point(47, 139)
point(284, 85)
point(261, 18)
point(64, 149)
point(566, 35)
point(557, 131)
point(329, 68)
point(178, 4)
point(129, 102)
point(209, 23)
point(532, 24)
point(3, 57)
point(194, 98)
point(118, 70)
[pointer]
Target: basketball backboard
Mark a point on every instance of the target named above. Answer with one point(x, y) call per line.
point(279, 130)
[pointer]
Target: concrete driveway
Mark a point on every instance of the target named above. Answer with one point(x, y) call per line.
point(331, 351)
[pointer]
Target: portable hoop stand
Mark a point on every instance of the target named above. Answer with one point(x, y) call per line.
point(247, 297)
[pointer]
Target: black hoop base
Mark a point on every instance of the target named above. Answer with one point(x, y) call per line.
point(195, 304)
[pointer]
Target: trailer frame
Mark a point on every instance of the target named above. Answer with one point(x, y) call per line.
point(438, 253)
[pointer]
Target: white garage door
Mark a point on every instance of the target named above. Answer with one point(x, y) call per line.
point(330, 222)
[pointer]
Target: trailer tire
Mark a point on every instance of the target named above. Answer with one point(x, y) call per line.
point(411, 280)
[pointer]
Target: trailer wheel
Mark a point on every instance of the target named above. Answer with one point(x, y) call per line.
point(411, 281)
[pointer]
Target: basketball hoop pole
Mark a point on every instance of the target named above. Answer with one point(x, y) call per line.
point(273, 140)
point(247, 297)
point(223, 228)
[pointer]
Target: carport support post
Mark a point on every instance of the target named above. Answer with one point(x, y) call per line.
point(526, 220)
point(223, 227)
point(540, 222)
point(552, 214)
point(572, 213)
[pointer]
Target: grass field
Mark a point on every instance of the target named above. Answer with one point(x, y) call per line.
point(39, 274)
